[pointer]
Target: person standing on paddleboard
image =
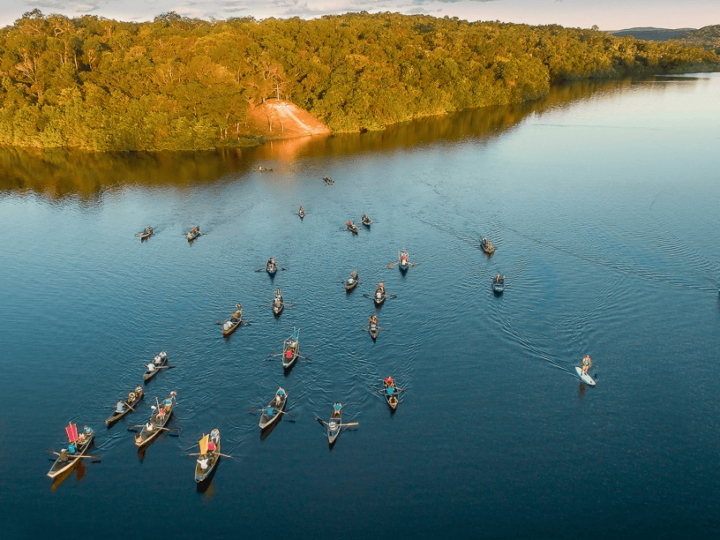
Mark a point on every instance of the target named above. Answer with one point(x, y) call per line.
point(586, 363)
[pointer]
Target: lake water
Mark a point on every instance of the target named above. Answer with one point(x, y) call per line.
point(602, 202)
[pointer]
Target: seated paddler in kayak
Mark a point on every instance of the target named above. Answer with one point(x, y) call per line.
point(586, 364)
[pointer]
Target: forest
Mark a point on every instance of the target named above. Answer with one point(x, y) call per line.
point(186, 84)
point(707, 36)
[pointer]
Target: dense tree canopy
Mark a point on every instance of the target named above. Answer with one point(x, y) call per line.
point(178, 83)
point(707, 36)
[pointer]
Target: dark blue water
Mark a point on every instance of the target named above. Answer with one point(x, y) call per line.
point(603, 205)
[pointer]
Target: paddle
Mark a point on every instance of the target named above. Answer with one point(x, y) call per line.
point(223, 455)
point(73, 457)
point(322, 422)
point(304, 358)
point(350, 424)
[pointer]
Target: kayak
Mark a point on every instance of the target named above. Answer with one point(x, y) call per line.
point(584, 376)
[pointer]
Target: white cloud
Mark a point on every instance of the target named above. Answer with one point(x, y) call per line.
point(78, 6)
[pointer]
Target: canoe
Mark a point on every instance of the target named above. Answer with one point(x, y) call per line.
point(271, 413)
point(391, 396)
point(137, 395)
point(328, 181)
point(230, 326)
point(373, 330)
point(301, 213)
point(153, 427)
point(379, 297)
point(366, 221)
point(271, 268)
point(334, 425)
point(487, 246)
point(147, 233)
point(403, 264)
point(352, 227)
point(205, 463)
point(352, 282)
point(291, 346)
point(192, 235)
point(158, 361)
point(70, 456)
point(278, 304)
point(498, 286)
point(587, 379)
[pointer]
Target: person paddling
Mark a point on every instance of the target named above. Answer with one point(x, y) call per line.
point(120, 407)
point(586, 363)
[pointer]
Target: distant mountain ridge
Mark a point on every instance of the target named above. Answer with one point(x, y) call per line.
point(650, 33)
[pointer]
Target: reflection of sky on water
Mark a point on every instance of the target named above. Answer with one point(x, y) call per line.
point(603, 211)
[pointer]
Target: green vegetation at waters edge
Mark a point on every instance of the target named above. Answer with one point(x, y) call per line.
point(187, 84)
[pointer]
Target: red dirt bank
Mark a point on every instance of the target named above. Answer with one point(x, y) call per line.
point(278, 119)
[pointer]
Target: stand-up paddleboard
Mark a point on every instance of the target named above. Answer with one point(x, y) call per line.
point(587, 379)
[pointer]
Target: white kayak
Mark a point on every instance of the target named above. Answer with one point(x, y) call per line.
point(587, 379)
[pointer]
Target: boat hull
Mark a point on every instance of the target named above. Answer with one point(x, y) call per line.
point(59, 467)
point(587, 379)
point(267, 421)
point(115, 417)
point(334, 427)
point(150, 374)
point(213, 457)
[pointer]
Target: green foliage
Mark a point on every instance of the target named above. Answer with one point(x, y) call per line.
point(187, 84)
point(708, 37)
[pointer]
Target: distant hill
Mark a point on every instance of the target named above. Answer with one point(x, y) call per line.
point(652, 34)
point(707, 36)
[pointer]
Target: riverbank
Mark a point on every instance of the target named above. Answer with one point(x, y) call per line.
point(182, 84)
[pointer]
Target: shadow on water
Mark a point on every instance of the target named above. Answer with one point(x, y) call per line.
point(265, 433)
point(78, 470)
point(205, 485)
point(58, 173)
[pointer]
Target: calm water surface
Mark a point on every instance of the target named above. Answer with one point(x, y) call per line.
point(602, 201)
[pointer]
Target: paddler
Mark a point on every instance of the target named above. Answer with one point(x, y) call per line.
point(336, 410)
point(373, 319)
point(389, 381)
point(586, 364)
point(120, 407)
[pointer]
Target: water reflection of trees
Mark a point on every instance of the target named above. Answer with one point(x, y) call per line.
point(59, 173)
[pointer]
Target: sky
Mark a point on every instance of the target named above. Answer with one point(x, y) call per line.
point(607, 14)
